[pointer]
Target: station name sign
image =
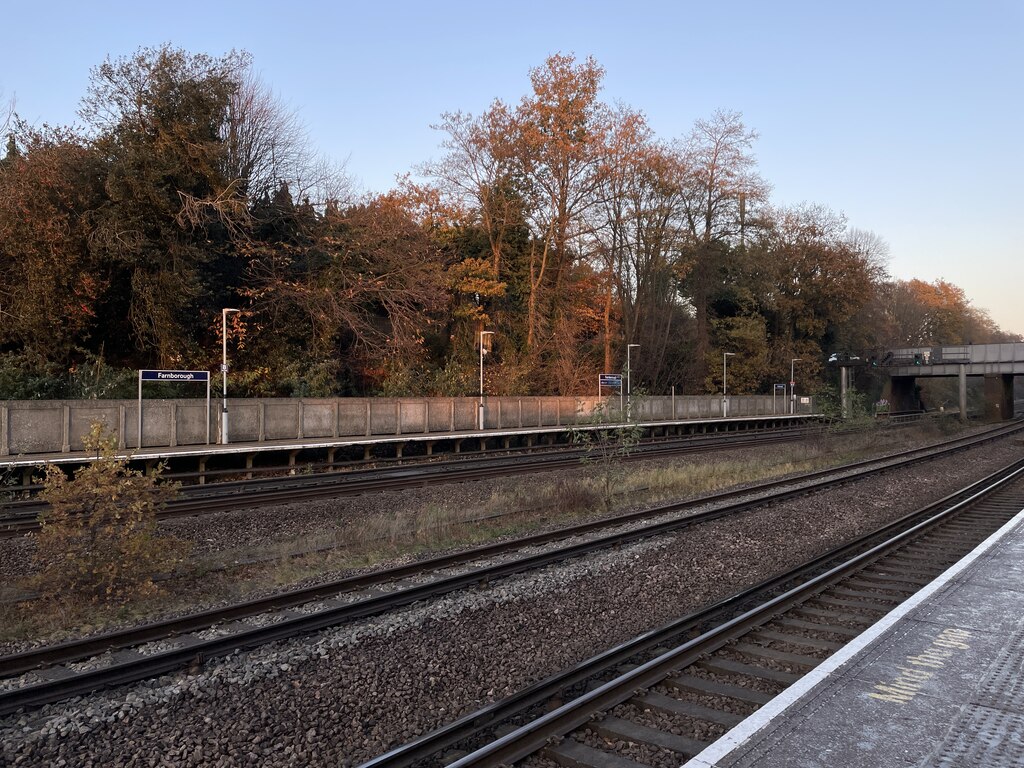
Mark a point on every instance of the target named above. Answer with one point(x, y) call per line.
point(173, 376)
point(610, 380)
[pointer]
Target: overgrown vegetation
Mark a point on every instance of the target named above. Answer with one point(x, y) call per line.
point(605, 446)
point(97, 541)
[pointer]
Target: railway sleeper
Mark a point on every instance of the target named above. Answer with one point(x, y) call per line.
point(572, 754)
point(940, 544)
point(749, 650)
point(770, 636)
point(860, 605)
point(832, 616)
point(801, 624)
point(919, 570)
point(873, 594)
point(618, 729)
point(659, 702)
point(870, 578)
point(888, 589)
point(722, 666)
point(887, 567)
point(688, 684)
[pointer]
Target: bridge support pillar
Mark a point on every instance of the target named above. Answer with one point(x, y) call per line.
point(999, 397)
point(904, 394)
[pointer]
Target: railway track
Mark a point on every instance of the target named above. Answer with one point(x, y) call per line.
point(22, 516)
point(664, 696)
point(57, 672)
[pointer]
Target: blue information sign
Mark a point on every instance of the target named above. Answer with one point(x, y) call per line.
point(613, 380)
point(173, 376)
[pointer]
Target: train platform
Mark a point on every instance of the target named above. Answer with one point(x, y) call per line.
point(455, 441)
point(937, 682)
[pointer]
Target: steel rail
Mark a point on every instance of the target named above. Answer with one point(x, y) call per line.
point(77, 649)
point(241, 494)
point(152, 665)
point(434, 742)
point(233, 495)
point(535, 735)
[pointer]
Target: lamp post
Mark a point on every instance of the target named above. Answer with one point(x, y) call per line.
point(725, 399)
point(224, 376)
point(629, 389)
point(792, 385)
point(480, 410)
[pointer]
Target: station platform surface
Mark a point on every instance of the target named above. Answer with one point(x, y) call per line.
point(937, 682)
point(297, 444)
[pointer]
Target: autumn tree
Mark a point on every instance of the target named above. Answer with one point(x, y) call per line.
point(720, 187)
point(563, 129)
point(266, 144)
point(637, 238)
point(50, 282)
point(477, 176)
point(535, 167)
point(157, 117)
point(915, 313)
point(361, 295)
point(810, 279)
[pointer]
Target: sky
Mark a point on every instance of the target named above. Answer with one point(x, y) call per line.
point(907, 117)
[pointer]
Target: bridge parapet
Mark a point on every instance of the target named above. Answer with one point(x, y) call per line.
point(978, 359)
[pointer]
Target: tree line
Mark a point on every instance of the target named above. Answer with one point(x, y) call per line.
point(562, 223)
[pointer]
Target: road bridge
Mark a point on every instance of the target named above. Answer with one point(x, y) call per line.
point(997, 363)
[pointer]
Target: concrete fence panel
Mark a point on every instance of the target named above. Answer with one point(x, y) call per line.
point(244, 420)
point(156, 423)
point(318, 418)
point(36, 430)
point(82, 419)
point(531, 412)
point(353, 417)
point(466, 413)
point(440, 414)
point(190, 425)
point(413, 416)
point(384, 416)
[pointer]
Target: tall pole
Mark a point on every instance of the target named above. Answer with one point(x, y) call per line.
point(629, 388)
point(792, 385)
point(844, 375)
point(224, 376)
point(480, 409)
point(725, 399)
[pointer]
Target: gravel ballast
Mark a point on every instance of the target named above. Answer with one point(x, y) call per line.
point(343, 696)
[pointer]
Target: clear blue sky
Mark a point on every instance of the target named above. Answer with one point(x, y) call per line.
point(906, 116)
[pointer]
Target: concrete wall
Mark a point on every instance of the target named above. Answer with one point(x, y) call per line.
point(58, 426)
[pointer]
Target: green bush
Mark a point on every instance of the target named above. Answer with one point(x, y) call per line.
point(97, 540)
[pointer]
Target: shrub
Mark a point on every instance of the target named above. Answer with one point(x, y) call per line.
point(606, 446)
point(98, 538)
